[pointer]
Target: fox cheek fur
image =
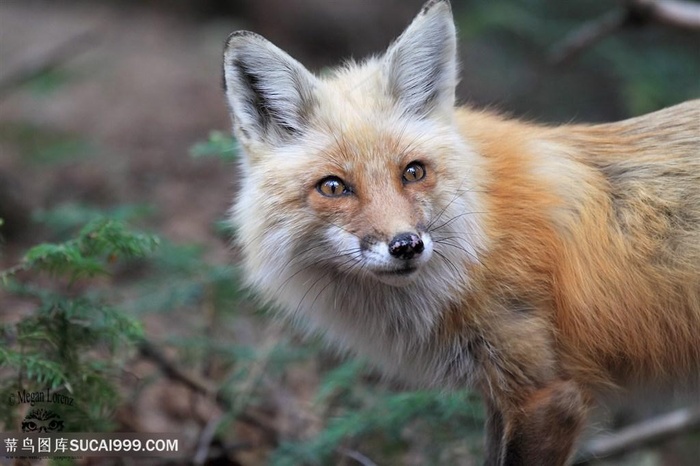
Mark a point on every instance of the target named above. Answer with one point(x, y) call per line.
point(456, 248)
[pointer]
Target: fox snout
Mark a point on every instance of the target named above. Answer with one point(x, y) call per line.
point(406, 245)
point(396, 261)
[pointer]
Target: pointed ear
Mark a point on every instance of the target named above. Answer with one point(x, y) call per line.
point(270, 95)
point(421, 66)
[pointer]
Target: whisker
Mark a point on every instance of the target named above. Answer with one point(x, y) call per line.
point(444, 224)
point(449, 262)
point(456, 196)
point(331, 280)
point(301, 301)
point(470, 254)
point(448, 241)
point(318, 261)
point(331, 277)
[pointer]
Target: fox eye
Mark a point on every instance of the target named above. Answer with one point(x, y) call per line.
point(415, 171)
point(332, 186)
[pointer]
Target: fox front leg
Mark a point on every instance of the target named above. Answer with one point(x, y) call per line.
point(542, 431)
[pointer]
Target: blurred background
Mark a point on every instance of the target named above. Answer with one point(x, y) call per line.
point(113, 127)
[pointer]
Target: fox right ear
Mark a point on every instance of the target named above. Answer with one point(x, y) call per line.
point(270, 94)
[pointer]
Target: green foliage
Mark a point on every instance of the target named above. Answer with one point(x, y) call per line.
point(65, 219)
point(72, 340)
point(87, 255)
point(384, 422)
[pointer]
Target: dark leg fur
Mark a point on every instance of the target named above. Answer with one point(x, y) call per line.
point(543, 431)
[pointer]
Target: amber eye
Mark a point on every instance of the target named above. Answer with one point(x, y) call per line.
point(332, 186)
point(415, 171)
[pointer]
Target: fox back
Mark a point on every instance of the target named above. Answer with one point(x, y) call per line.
point(456, 248)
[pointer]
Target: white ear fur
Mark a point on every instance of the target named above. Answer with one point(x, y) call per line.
point(421, 66)
point(270, 94)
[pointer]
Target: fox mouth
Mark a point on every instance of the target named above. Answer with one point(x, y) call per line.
point(399, 276)
point(403, 271)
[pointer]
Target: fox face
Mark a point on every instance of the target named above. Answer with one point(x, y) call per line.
point(379, 203)
point(377, 216)
point(347, 176)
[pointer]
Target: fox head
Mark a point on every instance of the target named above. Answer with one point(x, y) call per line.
point(358, 177)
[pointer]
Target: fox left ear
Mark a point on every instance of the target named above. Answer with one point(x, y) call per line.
point(421, 66)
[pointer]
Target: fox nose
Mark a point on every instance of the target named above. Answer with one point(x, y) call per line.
point(406, 245)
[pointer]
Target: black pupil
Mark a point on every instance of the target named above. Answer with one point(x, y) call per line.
point(332, 187)
point(413, 172)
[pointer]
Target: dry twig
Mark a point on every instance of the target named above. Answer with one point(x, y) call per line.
point(356, 456)
point(648, 432)
point(206, 438)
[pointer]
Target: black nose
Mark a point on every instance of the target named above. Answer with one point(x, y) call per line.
point(406, 245)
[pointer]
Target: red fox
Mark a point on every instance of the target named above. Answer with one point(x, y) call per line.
point(456, 248)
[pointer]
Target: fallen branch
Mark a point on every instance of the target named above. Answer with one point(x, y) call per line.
point(356, 456)
point(171, 371)
point(645, 433)
point(674, 13)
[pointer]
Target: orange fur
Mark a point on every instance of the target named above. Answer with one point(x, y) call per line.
point(620, 304)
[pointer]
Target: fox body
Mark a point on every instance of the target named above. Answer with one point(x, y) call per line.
point(456, 248)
